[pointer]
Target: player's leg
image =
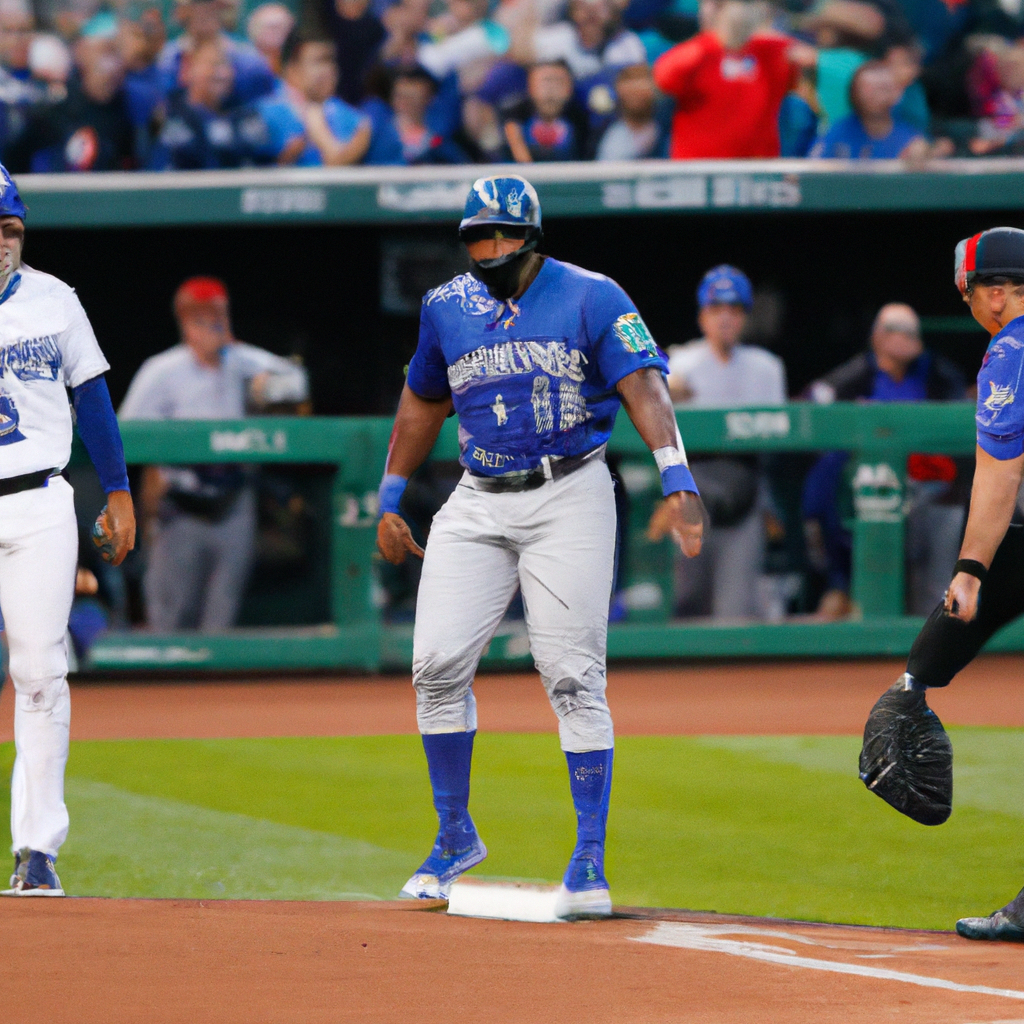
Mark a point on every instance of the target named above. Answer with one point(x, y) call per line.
point(565, 569)
point(232, 544)
point(38, 555)
point(945, 645)
point(177, 566)
point(468, 580)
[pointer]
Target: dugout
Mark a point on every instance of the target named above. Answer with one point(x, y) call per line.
point(329, 264)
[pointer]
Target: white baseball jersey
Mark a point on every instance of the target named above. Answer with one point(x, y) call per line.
point(46, 346)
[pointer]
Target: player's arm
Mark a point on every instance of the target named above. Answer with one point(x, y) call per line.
point(417, 424)
point(993, 499)
point(114, 532)
point(646, 400)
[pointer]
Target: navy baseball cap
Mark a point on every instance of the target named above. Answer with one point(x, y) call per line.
point(725, 284)
point(998, 252)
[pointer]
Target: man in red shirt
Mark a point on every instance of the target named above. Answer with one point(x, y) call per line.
point(728, 82)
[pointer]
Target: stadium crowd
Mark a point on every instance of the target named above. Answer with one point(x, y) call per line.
point(125, 84)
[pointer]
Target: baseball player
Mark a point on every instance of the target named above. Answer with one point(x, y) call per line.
point(987, 590)
point(534, 356)
point(46, 346)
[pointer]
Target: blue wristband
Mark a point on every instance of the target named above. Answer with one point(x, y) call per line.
point(392, 487)
point(677, 478)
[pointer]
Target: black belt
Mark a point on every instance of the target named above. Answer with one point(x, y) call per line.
point(26, 482)
point(531, 479)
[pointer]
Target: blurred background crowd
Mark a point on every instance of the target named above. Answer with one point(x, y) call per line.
point(137, 84)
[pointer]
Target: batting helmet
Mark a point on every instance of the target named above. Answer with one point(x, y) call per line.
point(507, 200)
point(998, 252)
point(10, 202)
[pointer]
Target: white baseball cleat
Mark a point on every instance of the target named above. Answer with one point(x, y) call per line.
point(452, 855)
point(583, 906)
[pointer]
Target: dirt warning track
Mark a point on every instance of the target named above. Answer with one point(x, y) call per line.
point(156, 961)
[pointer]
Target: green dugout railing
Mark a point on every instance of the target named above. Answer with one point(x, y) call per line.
point(879, 436)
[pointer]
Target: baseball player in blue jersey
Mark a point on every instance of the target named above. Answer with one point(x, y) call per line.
point(987, 589)
point(46, 347)
point(534, 356)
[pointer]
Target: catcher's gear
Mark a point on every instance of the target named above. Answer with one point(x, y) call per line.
point(907, 758)
point(102, 537)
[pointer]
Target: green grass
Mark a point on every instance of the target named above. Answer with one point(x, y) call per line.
point(760, 825)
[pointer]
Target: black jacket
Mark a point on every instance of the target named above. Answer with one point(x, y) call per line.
point(855, 380)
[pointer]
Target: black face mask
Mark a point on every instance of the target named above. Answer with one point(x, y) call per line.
point(501, 276)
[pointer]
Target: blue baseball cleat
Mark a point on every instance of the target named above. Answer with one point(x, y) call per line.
point(456, 849)
point(584, 894)
point(34, 875)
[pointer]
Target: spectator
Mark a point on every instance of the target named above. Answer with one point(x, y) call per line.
point(268, 27)
point(202, 21)
point(592, 40)
point(16, 31)
point(717, 371)
point(201, 132)
point(307, 124)
point(90, 129)
point(20, 90)
point(412, 93)
point(896, 368)
point(549, 126)
point(905, 64)
point(405, 23)
point(358, 36)
point(49, 61)
point(141, 40)
point(871, 132)
point(728, 82)
point(200, 521)
point(635, 134)
point(469, 46)
point(996, 84)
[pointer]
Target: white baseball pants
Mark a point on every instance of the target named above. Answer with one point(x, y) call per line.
point(38, 557)
point(558, 544)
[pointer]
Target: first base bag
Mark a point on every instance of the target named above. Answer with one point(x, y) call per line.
point(907, 758)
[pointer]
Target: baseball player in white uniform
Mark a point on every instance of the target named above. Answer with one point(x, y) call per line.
point(535, 356)
point(46, 347)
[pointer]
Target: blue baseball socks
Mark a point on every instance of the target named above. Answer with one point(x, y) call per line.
point(590, 780)
point(457, 847)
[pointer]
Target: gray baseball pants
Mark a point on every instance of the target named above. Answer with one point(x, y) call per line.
point(197, 570)
point(556, 543)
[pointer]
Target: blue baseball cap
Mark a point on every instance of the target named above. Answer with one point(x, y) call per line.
point(507, 200)
point(10, 202)
point(725, 284)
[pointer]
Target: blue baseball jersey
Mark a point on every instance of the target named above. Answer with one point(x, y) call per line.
point(531, 378)
point(1000, 415)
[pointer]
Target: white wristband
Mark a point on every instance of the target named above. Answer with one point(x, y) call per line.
point(669, 456)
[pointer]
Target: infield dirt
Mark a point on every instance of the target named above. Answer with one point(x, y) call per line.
point(85, 960)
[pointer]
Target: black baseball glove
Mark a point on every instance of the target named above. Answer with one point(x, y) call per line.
point(907, 758)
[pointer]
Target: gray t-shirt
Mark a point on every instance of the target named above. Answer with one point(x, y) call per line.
point(752, 376)
point(174, 385)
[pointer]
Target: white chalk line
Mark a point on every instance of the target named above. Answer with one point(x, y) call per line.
point(711, 939)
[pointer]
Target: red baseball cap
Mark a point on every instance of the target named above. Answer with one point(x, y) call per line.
point(200, 291)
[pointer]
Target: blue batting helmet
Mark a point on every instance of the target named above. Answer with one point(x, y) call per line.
point(10, 202)
point(507, 200)
point(727, 285)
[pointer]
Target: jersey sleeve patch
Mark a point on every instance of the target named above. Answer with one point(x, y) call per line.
point(634, 335)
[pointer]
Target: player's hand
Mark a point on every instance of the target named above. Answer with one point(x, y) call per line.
point(114, 530)
point(962, 597)
point(682, 515)
point(394, 539)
